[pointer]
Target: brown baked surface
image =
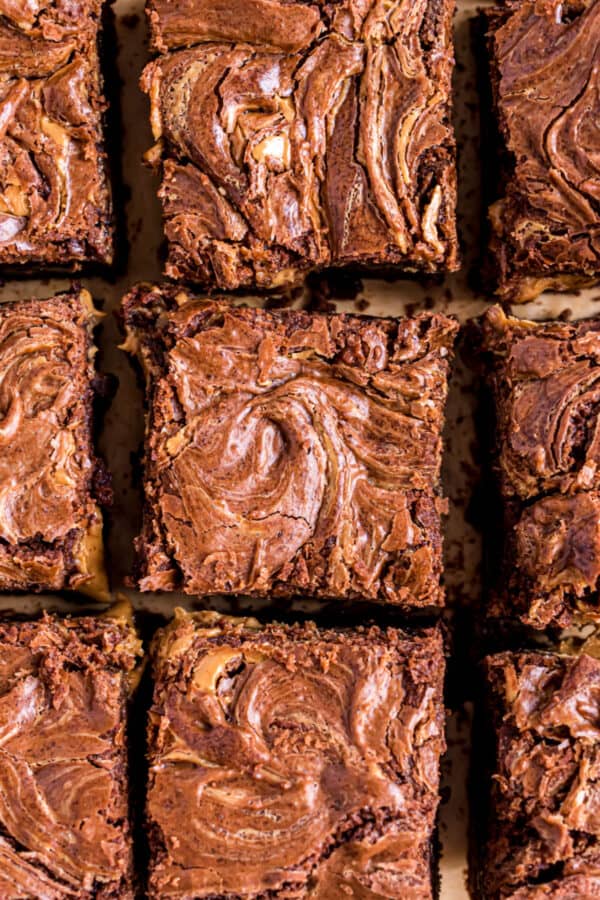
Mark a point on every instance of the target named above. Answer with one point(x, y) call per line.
point(55, 204)
point(545, 390)
point(292, 136)
point(64, 818)
point(544, 830)
point(288, 761)
point(51, 482)
point(290, 452)
point(545, 79)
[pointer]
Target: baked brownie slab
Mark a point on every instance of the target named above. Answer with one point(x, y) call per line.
point(545, 79)
point(545, 390)
point(293, 761)
point(55, 205)
point(50, 479)
point(544, 829)
point(293, 136)
point(290, 452)
point(64, 686)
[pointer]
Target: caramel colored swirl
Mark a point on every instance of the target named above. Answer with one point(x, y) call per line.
point(305, 453)
point(63, 796)
point(544, 837)
point(546, 78)
point(54, 199)
point(48, 514)
point(293, 758)
point(545, 384)
point(277, 162)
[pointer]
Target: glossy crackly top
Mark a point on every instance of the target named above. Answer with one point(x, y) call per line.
point(298, 135)
point(50, 522)
point(292, 762)
point(545, 67)
point(55, 203)
point(544, 839)
point(546, 391)
point(290, 452)
point(63, 793)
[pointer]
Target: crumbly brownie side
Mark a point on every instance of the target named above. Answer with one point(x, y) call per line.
point(51, 482)
point(294, 136)
point(55, 200)
point(293, 761)
point(545, 224)
point(545, 448)
point(289, 452)
point(64, 808)
point(543, 835)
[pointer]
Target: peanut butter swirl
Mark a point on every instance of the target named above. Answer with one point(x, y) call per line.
point(545, 69)
point(293, 762)
point(546, 390)
point(294, 136)
point(50, 478)
point(63, 793)
point(289, 452)
point(55, 204)
point(544, 833)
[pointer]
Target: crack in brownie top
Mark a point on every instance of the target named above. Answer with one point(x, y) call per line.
point(55, 204)
point(544, 836)
point(294, 136)
point(289, 451)
point(293, 761)
point(545, 68)
point(63, 790)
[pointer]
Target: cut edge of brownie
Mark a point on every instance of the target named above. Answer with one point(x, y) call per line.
point(177, 646)
point(149, 340)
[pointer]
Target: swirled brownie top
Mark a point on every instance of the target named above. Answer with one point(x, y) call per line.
point(290, 452)
point(545, 389)
point(545, 76)
point(64, 831)
point(293, 761)
point(543, 834)
point(51, 482)
point(292, 136)
point(55, 206)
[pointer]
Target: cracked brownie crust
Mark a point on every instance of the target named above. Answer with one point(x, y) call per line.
point(292, 136)
point(544, 833)
point(290, 452)
point(51, 482)
point(64, 829)
point(293, 761)
point(545, 386)
point(55, 205)
point(545, 77)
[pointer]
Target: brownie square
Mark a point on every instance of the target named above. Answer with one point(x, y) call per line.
point(293, 136)
point(290, 452)
point(291, 761)
point(543, 838)
point(545, 393)
point(51, 482)
point(64, 808)
point(545, 81)
point(55, 204)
